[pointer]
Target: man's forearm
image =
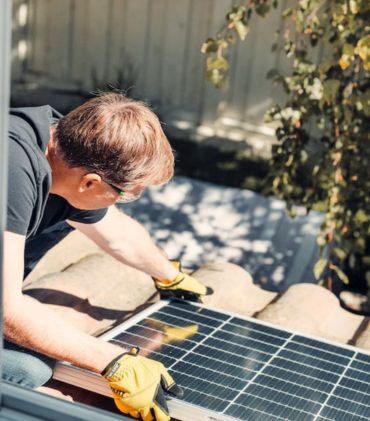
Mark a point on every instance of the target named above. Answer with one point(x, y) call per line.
point(35, 326)
point(138, 250)
point(128, 241)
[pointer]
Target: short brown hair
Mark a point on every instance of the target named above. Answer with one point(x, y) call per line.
point(118, 138)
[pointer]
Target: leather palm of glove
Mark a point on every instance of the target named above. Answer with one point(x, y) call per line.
point(183, 286)
point(138, 385)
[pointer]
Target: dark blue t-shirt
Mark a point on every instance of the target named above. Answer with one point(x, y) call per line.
point(31, 208)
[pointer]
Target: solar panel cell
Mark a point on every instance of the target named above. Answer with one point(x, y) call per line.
point(364, 358)
point(309, 361)
point(249, 333)
point(205, 401)
point(306, 370)
point(349, 406)
point(246, 413)
point(298, 378)
point(273, 404)
point(291, 388)
point(338, 415)
point(236, 360)
point(252, 352)
point(260, 328)
point(355, 386)
point(317, 352)
point(332, 349)
point(360, 375)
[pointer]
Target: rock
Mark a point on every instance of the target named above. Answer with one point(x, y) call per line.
point(233, 289)
point(94, 292)
point(311, 309)
point(70, 250)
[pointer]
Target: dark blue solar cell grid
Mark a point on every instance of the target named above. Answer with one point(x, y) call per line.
point(323, 346)
point(250, 371)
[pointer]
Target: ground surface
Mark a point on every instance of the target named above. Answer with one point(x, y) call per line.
point(199, 222)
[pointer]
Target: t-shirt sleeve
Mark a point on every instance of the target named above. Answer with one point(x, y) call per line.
point(21, 191)
point(87, 216)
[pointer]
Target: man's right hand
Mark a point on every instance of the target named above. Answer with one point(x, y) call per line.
point(138, 385)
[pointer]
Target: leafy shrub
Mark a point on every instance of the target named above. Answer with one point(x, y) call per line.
point(322, 159)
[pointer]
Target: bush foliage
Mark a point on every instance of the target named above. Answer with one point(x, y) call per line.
point(322, 159)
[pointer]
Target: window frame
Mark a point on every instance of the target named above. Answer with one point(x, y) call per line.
point(18, 403)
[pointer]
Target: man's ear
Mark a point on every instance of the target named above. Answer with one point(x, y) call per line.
point(89, 181)
point(51, 144)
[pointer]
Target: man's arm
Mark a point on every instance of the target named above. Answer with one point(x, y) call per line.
point(33, 325)
point(128, 241)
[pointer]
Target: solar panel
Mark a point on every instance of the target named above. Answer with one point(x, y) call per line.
point(233, 367)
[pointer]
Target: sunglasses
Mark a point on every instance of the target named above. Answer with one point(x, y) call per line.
point(124, 197)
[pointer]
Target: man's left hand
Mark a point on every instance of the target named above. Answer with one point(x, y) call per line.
point(183, 286)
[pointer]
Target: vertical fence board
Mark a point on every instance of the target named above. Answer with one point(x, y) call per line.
point(58, 38)
point(194, 76)
point(16, 59)
point(136, 43)
point(116, 66)
point(174, 50)
point(79, 70)
point(39, 58)
point(98, 34)
point(154, 58)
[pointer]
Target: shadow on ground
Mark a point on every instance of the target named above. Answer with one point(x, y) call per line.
point(199, 222)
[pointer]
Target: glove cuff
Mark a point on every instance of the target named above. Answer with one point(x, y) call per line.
point(114, 365)
point(168, 282)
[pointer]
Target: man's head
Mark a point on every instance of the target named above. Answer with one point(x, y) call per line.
point(107, 145)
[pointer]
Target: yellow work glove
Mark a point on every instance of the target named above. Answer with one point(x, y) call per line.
point(183, 286)
point(138, 385)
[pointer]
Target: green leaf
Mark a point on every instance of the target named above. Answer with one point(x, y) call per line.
point(321, 241)
point(363, 50)
point(348, 49)
point(287, 12)
point(217, 63)
point(276, 182)
point(361, 216)
point(238, 13)
point(319, 267)
point(303, 4)
point(262, 9)
point(366, 260)
point(341, 254)
point(330, 87)
point(353, 6)
point(242, 29)
point(272, 73)
point(341, 275)
point(209, 46)
point(216, 77)
point(352, 261)
point(304, 156)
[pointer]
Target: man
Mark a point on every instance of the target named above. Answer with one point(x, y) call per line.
point(74, 169)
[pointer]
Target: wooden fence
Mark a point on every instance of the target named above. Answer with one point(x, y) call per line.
point(152, 48)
